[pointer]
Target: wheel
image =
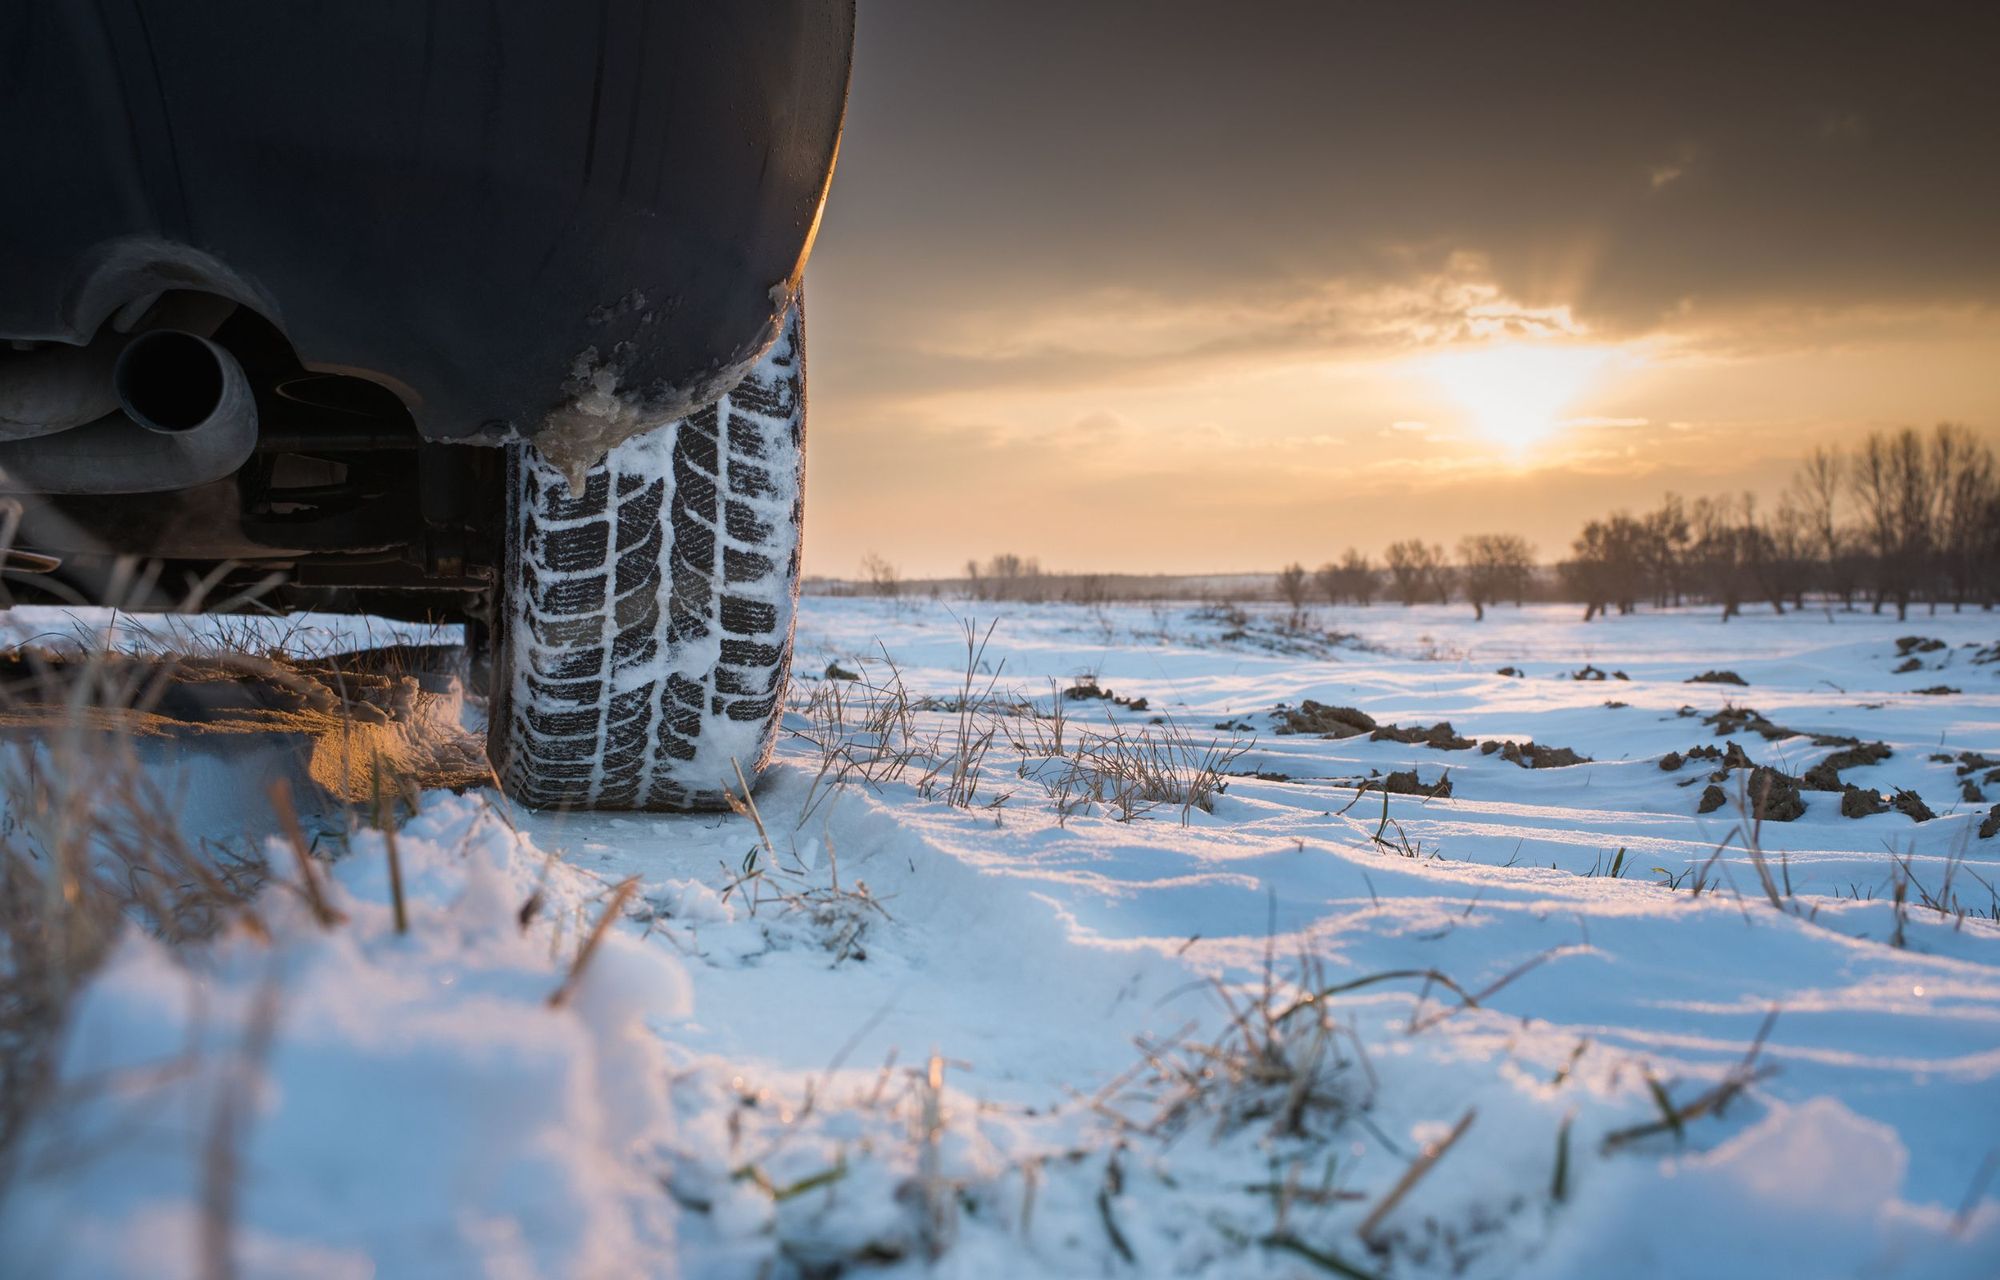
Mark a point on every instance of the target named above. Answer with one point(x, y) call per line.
point(645, 633)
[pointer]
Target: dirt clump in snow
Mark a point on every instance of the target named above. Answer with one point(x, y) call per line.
point(1917, 644)
point(1912, 805)
point(1906, 666)
point(1991, 826)
point(1825, 776)
point(1328, 722)
point(1262, 775)
point(1971, 789)
point(1970, 762)
point(1937, 691)
point(1440, 735)
point(1725, 760)
point(1733, 719)
point(1862, 802)
point(1510, 671)
point(1590, 672)
point(1716, 677)
point(1774, 795)
point(1405, 782)
point(1087, 689)
point(1533, 755)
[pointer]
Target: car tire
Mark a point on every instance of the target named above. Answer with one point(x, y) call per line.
point(644, 633)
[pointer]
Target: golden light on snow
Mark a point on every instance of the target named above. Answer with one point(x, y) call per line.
point(1516, 394)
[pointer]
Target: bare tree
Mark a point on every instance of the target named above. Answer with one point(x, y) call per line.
point(1791, 566)
point(1353, 578)
point(1963, 475)
point(1608, 565)
point(1906, 516)
point(1814, 494)
point(1293, 585)
point(1892, 481)
point(1327, 579)
point(881, 576)
point(1493, 566)
point(1013, 577)
point(1721, 559)
point(1663, 547)
point(1418, 570)
point(1357, 577)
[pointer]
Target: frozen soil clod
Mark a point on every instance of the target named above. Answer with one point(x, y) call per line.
point(1825, 776)
point(1405, 782)
point(1331, 722)
point(1771, 794)
point(1860, 802)
point(1440, 735)
point(1533, 755)
point(1733, 719)
point(1912, 805)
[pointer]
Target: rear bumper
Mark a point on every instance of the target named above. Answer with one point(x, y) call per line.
point(523, 218)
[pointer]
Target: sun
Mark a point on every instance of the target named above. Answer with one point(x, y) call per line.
point(1516, 393)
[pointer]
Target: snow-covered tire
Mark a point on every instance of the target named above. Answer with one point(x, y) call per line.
point(646, 632)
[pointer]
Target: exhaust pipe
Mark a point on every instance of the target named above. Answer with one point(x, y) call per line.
point(188, 417)
point(177, 383)
point(58, 386)
point(55, 388)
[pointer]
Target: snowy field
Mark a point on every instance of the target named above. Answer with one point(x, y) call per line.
point(1104, 950)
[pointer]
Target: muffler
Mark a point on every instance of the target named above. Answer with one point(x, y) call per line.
point(188, 416)
point(56, 387)
point(52, 387)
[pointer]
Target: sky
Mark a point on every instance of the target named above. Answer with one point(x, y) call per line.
point(1204, 287)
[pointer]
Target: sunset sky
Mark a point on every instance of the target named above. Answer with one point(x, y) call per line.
point(1176, 286)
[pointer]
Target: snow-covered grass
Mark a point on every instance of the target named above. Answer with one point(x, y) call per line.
point(1051, 956)
point(348, 1099)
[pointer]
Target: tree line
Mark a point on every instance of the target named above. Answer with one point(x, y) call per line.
point(1488, 568)
point(1904, 517)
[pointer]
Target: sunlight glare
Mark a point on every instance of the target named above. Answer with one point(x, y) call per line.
point(1515, 394)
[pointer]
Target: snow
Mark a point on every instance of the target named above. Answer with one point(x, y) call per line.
point(405, 1102)
point(906, 1036)
point(305, 634)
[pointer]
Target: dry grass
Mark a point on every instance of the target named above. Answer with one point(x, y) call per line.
point(88, 841)
point(92, 842)
point(1674, 1117)
point(838, 916)
point(863, 730)
point(1128, 771)
point(867, 729)
point(1275, 1065)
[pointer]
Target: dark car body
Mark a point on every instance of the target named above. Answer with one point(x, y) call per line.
point(489, 213)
